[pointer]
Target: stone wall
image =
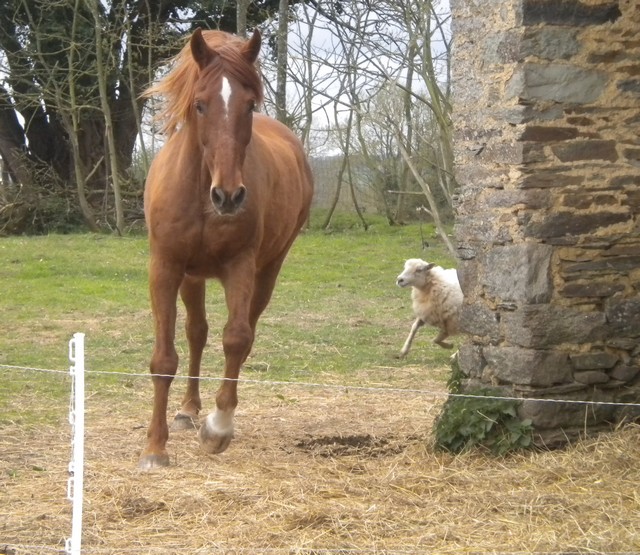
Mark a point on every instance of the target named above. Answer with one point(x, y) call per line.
point(547, 131)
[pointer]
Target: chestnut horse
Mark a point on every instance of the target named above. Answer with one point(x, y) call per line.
point(225, 198)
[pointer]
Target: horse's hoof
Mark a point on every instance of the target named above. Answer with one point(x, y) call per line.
point(216, 432)
point(213, 443)
point(182, 421)
point(151, 461)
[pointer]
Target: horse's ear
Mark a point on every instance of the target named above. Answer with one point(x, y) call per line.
point(200, 51)
point(251, 48)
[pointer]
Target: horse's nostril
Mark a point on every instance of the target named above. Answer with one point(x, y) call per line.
point(217, 196)
point(238, 196)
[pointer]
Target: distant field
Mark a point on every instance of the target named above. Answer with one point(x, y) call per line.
point(336, 310)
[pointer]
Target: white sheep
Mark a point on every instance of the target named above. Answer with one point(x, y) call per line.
point(437, 299)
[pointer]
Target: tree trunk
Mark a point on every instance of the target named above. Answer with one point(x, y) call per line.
point(12, 142)
point(108, 121)
point(281, 79)
point(241, 17)
point(72, 132)
point(336, 196)
point(433, 207)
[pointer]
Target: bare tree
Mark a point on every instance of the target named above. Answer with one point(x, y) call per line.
point(101, 73)
point(373, 49)
point(71, 77)
point(281, 53)
point(72, 120)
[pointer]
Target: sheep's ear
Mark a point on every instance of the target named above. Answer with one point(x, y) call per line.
point(428, 266)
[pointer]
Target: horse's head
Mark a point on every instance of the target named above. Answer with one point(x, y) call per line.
point(226, 93)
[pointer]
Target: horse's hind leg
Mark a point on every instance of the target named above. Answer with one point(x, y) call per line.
point(192, 292)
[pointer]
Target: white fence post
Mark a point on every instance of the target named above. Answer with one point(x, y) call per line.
point(76, 419)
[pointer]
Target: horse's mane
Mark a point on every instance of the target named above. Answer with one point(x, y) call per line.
point(178, 86)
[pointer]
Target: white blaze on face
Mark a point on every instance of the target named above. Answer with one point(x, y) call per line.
point(225, 93)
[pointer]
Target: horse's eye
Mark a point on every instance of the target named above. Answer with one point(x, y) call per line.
point(199, 107)
point(252, 106)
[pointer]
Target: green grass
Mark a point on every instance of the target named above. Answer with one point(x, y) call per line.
point(336, 314)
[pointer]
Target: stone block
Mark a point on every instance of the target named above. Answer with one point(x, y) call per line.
point(586, 150)
point(529, 199)
point(631, 86)
point(519, 273)
point(479, 320)
point(557, 83)
point(568, 13)
point(609, 57)
point(475, 176)
point(611, 385)
point(591, 289)
point(623, 249)
point(624, 373)
point(624, 343)
point(501, 152)
point(633, 200)
point(609, 266)
point(533, 152)
point(548, 134)
point(518, 366)
point(632, 154)
point(550, 43)
point(526, 113)
point(566, 223)
point(591, 377)
point(550, 415)
point(593, 361)
point(547, 179)
point(466, 252)
point(557, 391)
point(623, 317)
point(470, 360)
point(483, 229)
point(468, 275)
point(544, 326)
point(580, 121)
point(622, 181)
point(501, 48)
point(583, 201)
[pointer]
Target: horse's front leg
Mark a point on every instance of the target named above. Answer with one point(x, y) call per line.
point(192, 292)
point(163, 288)
point(217, 430)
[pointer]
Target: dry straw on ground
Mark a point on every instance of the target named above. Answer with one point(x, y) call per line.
point(316, 471)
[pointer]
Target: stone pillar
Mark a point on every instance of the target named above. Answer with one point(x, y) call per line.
point(547, 134)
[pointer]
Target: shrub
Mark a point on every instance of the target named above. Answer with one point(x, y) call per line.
point(478, 419)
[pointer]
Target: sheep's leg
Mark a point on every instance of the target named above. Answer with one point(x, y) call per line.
point(440, 340)
point(407, 344)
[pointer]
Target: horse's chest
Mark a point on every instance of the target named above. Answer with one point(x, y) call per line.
point(218, 246)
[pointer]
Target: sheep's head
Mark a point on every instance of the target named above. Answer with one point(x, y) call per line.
point(416, 273)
